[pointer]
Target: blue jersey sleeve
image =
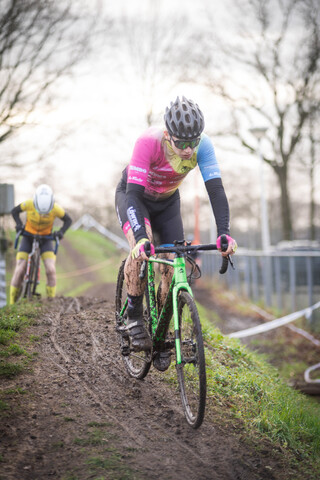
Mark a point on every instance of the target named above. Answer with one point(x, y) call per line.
point(206, 158)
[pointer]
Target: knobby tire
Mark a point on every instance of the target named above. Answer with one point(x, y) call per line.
point(30, 280)
point(34, 277)
point(137, 363)
point(26, 287)
point(192, 371)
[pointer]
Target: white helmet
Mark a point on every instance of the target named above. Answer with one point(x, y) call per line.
point(43, 199)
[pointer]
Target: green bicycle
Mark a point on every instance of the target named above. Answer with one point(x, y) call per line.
point(173, 326)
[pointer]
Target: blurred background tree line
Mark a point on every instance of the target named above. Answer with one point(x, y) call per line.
point(258, 60)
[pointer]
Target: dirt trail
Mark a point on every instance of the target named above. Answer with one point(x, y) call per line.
point(79, 385)
point(82, 417)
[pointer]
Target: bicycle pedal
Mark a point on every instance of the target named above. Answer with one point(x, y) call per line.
point(123, 331)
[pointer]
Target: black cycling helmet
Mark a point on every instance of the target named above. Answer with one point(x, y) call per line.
point(184, 119)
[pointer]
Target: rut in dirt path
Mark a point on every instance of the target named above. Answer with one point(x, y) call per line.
point(79, 376)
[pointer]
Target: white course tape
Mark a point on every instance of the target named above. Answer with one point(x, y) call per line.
point(307, 374)
point(275, 323)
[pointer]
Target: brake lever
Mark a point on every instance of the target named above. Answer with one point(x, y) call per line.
point(231, 262)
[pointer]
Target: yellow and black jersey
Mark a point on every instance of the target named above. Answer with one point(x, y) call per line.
point(40, 224)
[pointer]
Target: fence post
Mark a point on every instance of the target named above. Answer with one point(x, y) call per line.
point(292, 274)
point(6, 205)
point(3, 296)
point(277, 270)
point(267, 279)
point(309, 286)
point(247, 277)
point(255, 281)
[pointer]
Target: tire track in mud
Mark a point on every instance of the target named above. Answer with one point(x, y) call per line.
point(71, 367)
point(98, 352)
point(83, 345)
point(79, 380)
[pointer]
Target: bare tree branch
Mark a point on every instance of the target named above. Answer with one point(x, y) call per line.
point(40, 40)
point(276, 57)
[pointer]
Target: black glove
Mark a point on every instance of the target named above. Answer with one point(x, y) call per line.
point(19, 227)
point(58, 234)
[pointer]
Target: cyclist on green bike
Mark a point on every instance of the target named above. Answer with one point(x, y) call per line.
point(148, 201)
point(41, 213)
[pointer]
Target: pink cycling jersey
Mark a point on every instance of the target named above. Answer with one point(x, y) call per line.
point(155, 166)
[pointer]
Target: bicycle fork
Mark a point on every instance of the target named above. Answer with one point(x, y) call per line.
point(181, 283)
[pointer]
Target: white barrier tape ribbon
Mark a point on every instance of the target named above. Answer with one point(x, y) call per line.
point(275, 323)
point(305, 334)
point(307, 374)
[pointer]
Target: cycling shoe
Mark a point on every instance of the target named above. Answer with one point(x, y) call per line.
point(162, 360)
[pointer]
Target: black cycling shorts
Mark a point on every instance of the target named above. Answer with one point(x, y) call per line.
point(164, 216)
point(26, 245)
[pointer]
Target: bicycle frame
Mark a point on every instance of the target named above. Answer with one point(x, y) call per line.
point(159, 323)
point(35, 247)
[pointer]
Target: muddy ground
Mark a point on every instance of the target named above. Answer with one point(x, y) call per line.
point(79, 416)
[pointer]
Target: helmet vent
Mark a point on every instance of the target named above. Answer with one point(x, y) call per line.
point(184, 119)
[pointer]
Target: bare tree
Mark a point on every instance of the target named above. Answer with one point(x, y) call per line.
point(269, 73)
point(309, 158)
point(40, 40)
point(159, 46)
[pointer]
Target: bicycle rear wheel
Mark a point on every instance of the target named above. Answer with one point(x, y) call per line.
point(137, 363)
point(192, 370)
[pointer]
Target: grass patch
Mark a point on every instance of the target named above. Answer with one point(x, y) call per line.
point(245, 390)
point(9, 370)
point(13, 321)
point(252, 390)
point(102, 456)
point(7, 396)
point(69, 419)
point(96, 436)
point(14, 356)
point(112, 464)
point(3, 406)
point(13, 318)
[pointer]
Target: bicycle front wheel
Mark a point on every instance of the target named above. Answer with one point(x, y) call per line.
point(35, 273)
point(192, 370)
point(26, 288)
point(137, 363)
